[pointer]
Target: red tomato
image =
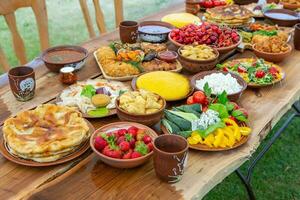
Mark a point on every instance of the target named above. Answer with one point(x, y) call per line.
point(260, 74)
point(225, 69)
point(190, 100)
point(216, 3)
point(204, 108)
point(199, 97)
point(273, 71)
point(241, 69)
point(208, 4)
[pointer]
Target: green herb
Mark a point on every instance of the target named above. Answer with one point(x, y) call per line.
point(229, 106)
point(136, 65)
point(88, 91)
point(239, 115)
point(222, 98)
point(221, 109)
point(113, 47)
point(210, 129)
point(266, 33)
point(122, 92)
point(207, 90)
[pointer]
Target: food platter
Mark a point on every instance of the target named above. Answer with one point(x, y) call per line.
point(202, 147)
point(280, 72)
point(178, 68)
point(78, 152)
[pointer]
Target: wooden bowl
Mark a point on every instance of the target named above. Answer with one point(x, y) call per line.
point(76, 62)
point(273, 57)
point(232, 97)
point(221, 50)
point(145, 119)
point(280, 21)
point(122, 163)
point(195, 66)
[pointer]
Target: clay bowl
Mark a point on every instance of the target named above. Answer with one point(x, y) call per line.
point(290, 6)
point(277, 16)
point(122, 163)
point(195, 66)
point(273, 57)
point(145, 119)
point(221, 50)
point(58, 57)
point(245, 2)
point(154, 36)
point(232, 97)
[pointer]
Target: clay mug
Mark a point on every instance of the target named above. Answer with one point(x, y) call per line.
point(170, 157)
point(297, 37)
point(128, 31)
point(22, 82)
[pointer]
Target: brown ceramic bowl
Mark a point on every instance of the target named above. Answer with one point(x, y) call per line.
point(273, 57)
point(152, 36)
point(221, 50)
point(122, 163)
point(195, 66)
point(290, 6)
point(58, 57)
point(245, 2)
point(277, 16)
point(146, 119)
point(232, 97)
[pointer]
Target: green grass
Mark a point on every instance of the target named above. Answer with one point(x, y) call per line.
point(276, 175)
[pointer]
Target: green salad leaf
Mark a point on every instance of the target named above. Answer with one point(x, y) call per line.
point(239, 115)
point(88, 91)
point(98, 112)
point(222, 98)
point(221, 109)
point(210, 129)
point(207, 90)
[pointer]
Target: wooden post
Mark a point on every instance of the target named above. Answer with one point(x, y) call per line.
point(87, 18)
point(99, 17)
point(119, 16)
point(3, 61)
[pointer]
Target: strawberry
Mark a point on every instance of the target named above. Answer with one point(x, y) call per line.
point(140, 134)
point(120, 139)
point(128, 154)
point(133, 131)
point(100, 143)
point(124, 146)
point(112, 151)
point(150, 146)
point(141, 147)
point(121, 132)
point(130, 139)
point(147, 139)
point(136, 155)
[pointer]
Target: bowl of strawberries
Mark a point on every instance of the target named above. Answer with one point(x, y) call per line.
point(224, 39)
point(123, 144)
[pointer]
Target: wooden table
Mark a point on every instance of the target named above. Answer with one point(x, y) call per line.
point(88, 178)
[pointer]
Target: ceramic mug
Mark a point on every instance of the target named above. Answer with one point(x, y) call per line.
point(170, 157)
point(297, 37)
point(128, 31)
point(22, 82)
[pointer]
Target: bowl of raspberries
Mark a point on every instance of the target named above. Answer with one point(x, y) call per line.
point(123, 144)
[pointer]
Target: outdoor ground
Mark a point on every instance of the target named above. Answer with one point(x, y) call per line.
point(277, 175)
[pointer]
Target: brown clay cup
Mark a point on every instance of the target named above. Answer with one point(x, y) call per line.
point(128, 31)
point(170, 157)
point(297, 37)
point(22, 82)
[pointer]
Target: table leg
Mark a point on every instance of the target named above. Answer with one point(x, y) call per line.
point(246, 180)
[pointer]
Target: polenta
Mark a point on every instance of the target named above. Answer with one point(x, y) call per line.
point(171, 86)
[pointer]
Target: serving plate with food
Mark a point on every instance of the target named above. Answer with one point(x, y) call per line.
point(123, 144)
point(290, 4)
point(256, 72)
point(208, 123)
point(123, 62)
point(94, 98)
point(220, 81)
point(45, 136)
point(171, 86)
point(233, 16)
point(224, 39)
point(259, 9)
point(140, 106)
point(282, 17)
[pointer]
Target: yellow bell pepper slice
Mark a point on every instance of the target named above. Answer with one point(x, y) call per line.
point(218, 138)
point(209, 140)
point(230, 135)
point(245, 130)
point(192, 141)
point(236, 129)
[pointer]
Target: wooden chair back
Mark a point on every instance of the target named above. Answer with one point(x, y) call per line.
point(118, 4)
point(7, 9)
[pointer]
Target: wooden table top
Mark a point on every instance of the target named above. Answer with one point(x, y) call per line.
point(88, 178)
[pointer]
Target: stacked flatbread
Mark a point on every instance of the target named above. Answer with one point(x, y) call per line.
point(232, 15)
point(46, 133)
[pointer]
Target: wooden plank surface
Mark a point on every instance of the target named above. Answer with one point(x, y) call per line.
point(89, 178)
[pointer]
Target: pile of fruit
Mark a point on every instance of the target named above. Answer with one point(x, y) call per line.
point(124, 143)
point(212, 3)
point(205, 33)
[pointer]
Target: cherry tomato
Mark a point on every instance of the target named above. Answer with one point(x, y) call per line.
point(225, 69)
point(199, 97)
point(216, 3)
point(260, 74)
point(241, 69)
point(273, 71)
point(190, 100)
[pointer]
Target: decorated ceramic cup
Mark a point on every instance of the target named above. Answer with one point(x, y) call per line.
point(170, 157)
point(129, 31)
point(22, 82)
